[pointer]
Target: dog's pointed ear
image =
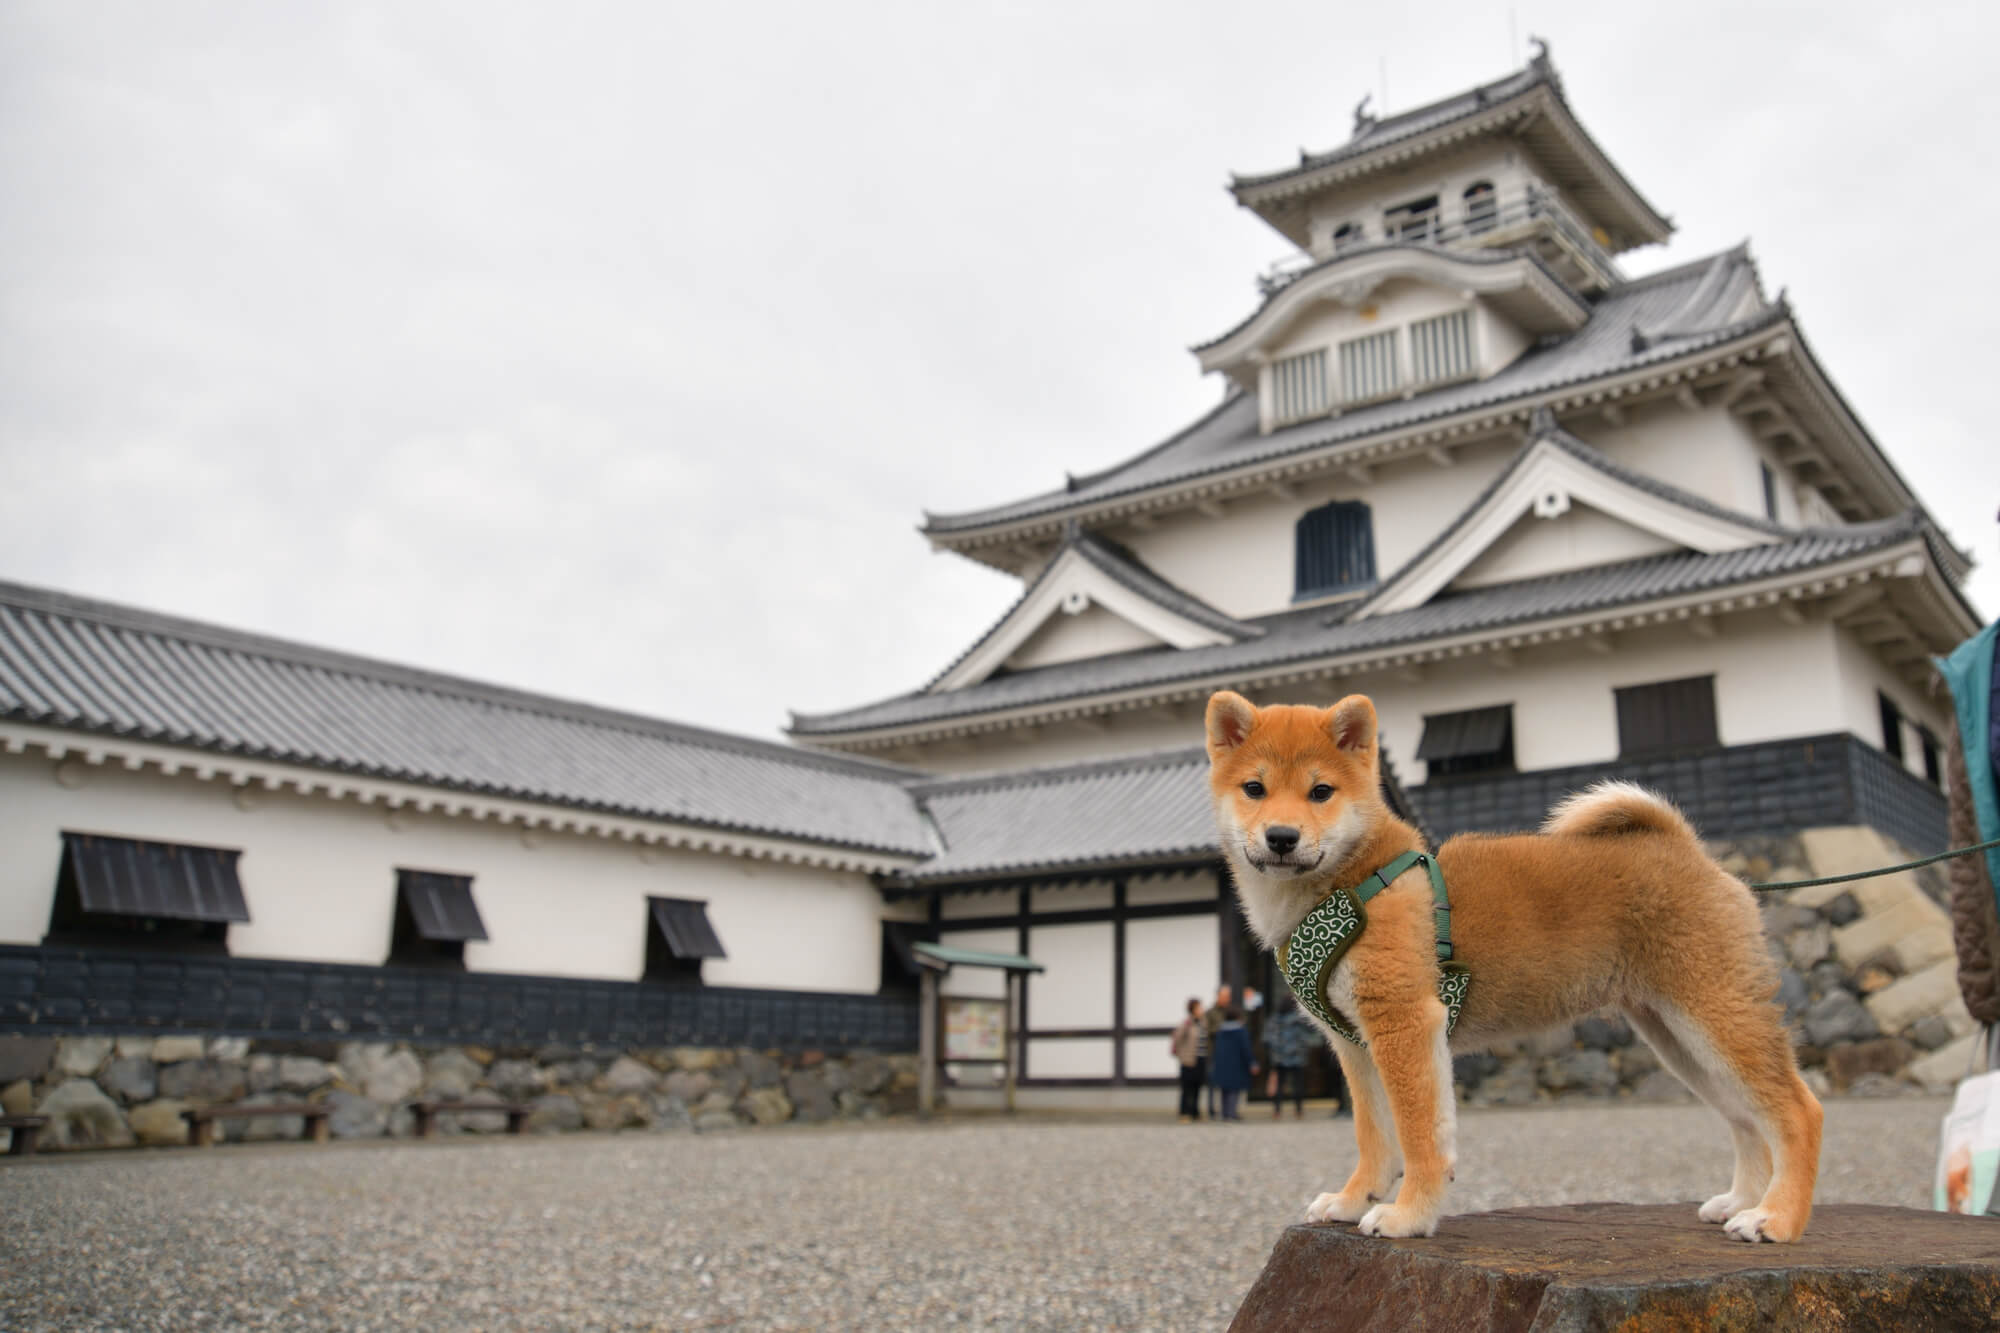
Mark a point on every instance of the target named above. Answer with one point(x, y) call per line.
point(1230, 719)
point(1351, 723)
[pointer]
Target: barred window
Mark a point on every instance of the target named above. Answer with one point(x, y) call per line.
point(1368, 367)
point(1298, 386)
point(1441, 348)
point(1336, 550)
point(1481, 206)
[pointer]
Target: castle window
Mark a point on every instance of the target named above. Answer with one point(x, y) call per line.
point(1892, 726)
point(1336, 550)
point(1298, 386)
point(1477, 740)
point(1666, 715)
point(126, 893)
point(1416, 220)
point(1441, 348)
point(1346, 236)
point(1770, 491)
point(1933, 770)
point(1368, 368)
point(678, 937)
point(435, 916)
point(1482, 206)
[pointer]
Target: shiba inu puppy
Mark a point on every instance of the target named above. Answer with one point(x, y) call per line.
point(1614, 902)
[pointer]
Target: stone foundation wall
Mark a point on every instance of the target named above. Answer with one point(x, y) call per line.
point(105, 1091)
point(1867, 979)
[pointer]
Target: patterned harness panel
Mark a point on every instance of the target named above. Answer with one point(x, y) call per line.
point(1308, 957)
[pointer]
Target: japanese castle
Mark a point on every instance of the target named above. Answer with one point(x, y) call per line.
point(1559, 522)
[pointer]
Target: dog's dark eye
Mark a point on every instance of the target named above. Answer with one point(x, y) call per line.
point(1322, 792)
point(1254, 790)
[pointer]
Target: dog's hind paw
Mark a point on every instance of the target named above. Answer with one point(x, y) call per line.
point(1336, 1208)
point(1394, 1220)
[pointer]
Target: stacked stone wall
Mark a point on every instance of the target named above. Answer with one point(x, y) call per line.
point(103, 1091)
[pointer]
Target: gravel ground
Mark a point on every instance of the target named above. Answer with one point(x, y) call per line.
point(1035, 1224)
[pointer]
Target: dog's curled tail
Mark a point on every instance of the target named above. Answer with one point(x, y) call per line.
point(1617, 807)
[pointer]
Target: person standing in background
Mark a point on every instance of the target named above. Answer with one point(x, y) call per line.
point(1190, 1042)
point(1289, 1038)
point(1210, 1021)
point(1231, 1062)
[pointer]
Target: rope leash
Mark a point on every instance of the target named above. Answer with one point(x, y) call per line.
point(1870, 874)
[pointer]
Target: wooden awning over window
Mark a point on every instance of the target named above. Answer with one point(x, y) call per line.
point(683, 924)
point(441, 906)
point(1474, 732)
point(131, 877)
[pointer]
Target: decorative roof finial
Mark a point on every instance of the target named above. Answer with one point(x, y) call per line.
point(1364, 119)
point(1541, 422)
point(1541, 56)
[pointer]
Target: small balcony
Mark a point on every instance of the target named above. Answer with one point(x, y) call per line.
point(1529, 219)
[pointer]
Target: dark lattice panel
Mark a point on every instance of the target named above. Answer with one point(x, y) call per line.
point(49, 990)
point(1733, 791)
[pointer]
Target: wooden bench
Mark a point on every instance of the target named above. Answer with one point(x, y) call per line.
point(427, 1112)
point(25, 1130)
point(201, 1120)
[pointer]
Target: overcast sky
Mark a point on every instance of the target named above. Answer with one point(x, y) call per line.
point(615, 350)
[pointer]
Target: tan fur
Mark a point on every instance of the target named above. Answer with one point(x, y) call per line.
point(1613, 903)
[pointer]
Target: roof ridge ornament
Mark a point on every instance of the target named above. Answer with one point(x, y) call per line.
point(1364, 119)
point(1541, 422)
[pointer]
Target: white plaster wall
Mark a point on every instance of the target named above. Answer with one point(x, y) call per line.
point(1069, 1057)
point(1071, 897)
point(1092, 632)
point(999, 902)
point(1500, 339)
point(1242, 563)
point(1772, 681)
point(1074, 988)
point(1146, 892)
point(985, 982)
point(1150, 1057)
point(1169, 960)
point(1576, 539)
point(1861, 674)
point(1708, 451)
point(319, 878)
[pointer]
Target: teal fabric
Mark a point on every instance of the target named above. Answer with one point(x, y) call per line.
point(1969, 672)
point(1309, 956)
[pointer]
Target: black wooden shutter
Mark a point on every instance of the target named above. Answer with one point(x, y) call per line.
point(1666, 715)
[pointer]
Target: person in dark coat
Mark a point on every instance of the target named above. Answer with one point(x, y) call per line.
point(1289, 1039)
point(1231, 1064)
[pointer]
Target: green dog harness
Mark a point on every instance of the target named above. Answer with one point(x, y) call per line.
point(1308, 957)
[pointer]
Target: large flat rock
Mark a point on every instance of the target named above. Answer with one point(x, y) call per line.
point(1634, 1268)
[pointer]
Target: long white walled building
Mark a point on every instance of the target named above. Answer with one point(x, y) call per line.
point(1559, 523)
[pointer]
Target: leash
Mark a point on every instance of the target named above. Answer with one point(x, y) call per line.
point(1870, 874)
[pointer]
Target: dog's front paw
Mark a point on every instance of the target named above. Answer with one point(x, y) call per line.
point(1394, 1220)
point(1755, 1224)
point(1337, 1208)
point(1723, 1207)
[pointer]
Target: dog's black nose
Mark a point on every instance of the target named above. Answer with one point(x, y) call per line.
point(1281, 839)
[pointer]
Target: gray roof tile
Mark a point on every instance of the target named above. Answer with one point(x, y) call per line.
point(96, 667)
point(1141, 809)
point(1661, 305)
point(1128, 570)
point(1296, 636)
